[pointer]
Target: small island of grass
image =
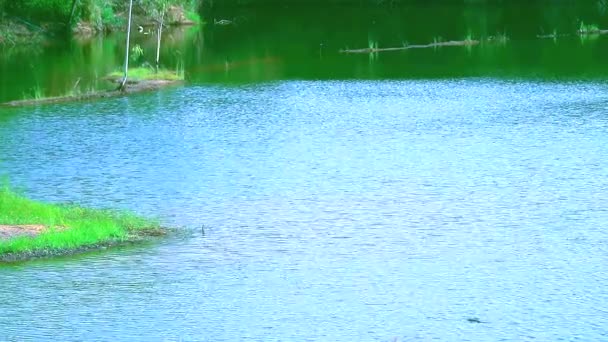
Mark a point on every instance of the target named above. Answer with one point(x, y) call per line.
point(30, 229)
point(140, 79)
point(148, 74)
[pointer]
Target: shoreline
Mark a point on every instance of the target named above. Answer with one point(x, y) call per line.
point(133, 87)
point(134, 238)
point(31, 230)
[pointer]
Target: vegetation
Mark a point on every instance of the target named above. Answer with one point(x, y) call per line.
point(149, 74)
point(500, 38)
point(588, 28)
point(90, 10)
point(99, 15)
point(38, 9)
point(69, 227)
point(37, 93)
point(194, 17)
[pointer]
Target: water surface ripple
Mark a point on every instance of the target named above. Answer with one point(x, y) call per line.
point(333, 211)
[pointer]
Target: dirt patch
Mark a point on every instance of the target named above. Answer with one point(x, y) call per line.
point(9, 232)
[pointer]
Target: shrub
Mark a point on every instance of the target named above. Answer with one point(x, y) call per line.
point(39, 9)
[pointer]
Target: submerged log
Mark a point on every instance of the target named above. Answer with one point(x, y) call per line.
point(552, 36)
point(590, 32)
point(407, 47)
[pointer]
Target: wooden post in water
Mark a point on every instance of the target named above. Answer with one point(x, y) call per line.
point(124, 79)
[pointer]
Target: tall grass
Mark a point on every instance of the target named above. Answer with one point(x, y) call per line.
point(588, 28)
point(180, 70)
point(37, 93)
point(372, 45)
point(148, 73)
point(69, 226)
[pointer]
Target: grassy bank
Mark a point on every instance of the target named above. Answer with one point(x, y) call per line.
point(67, 228)
point(52, 18)
point(149, 74)
point(140, 80)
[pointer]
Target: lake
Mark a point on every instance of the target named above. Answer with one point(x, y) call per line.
point(453, 194)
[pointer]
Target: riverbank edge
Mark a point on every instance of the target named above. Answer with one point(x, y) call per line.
point(140, 86)
point(134, 237)
point(31, 229)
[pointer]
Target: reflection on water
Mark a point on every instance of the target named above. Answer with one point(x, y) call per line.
point(333, 210)
point(293, 42)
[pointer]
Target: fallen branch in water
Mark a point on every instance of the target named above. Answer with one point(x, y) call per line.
point(552, 36)
point(579, 32)
point(591, 32)
point(407, 47)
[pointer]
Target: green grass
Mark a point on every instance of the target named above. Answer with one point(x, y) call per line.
point(194, 17)
point(588, 28)
point(372, 45)
point(144, 73)
point(37, 94)
point(437, 40)
point(469, 37)
point(70, 226)
point(502, 38)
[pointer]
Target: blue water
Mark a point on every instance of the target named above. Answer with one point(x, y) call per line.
point(332, 211)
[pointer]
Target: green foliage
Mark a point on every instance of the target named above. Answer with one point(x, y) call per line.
point(502, 38)
point(100, 12)
point(588, 28)
point(136, 53)
point(151, 74)
point(194, 17)
point(40, 9)
point(108, 18)
point(155, 8)
point(68, 226)
point(372, 46)
point(179, 71)
point(152, 8)
point(37, 93)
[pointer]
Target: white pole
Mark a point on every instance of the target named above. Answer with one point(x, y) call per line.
point(124, 80)
point(160, 34)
